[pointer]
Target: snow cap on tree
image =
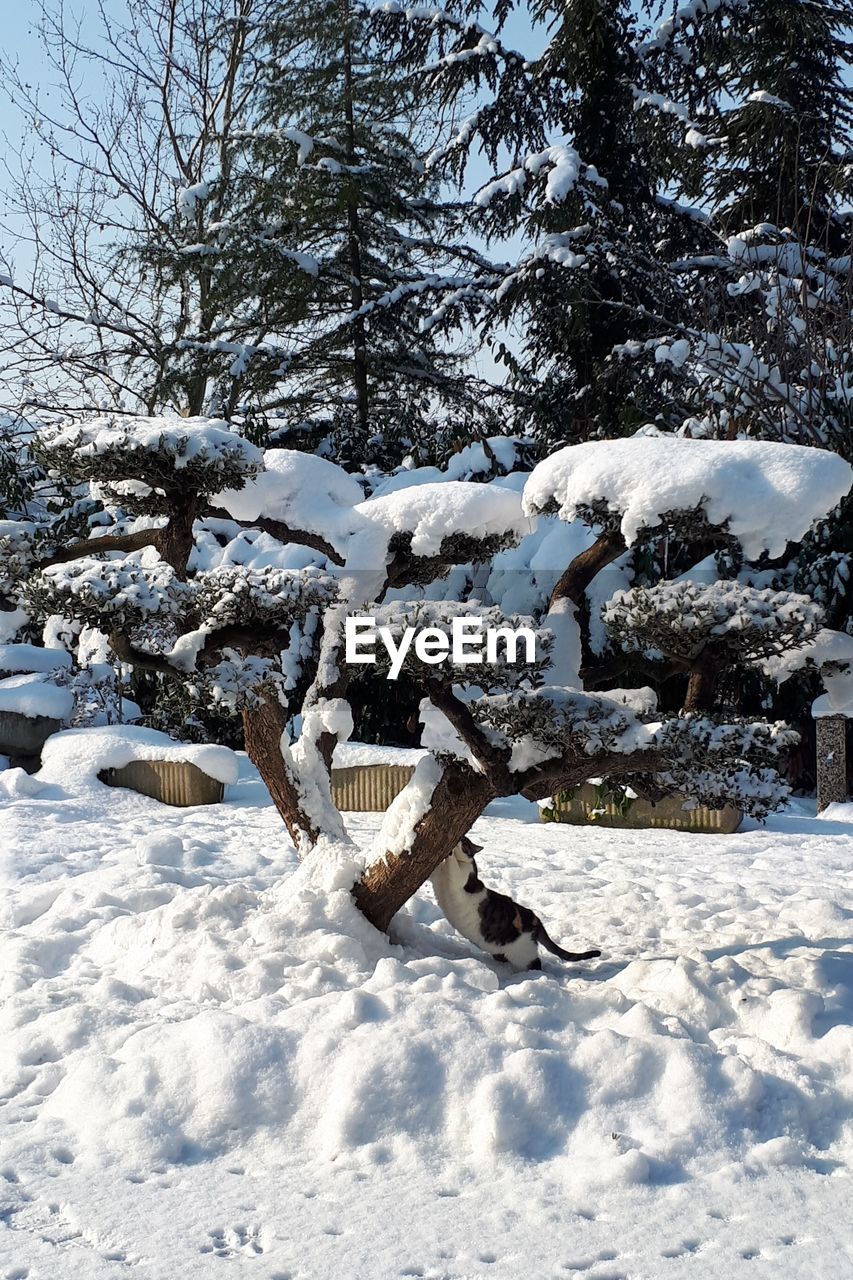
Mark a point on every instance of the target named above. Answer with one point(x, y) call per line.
point(148, 464)
point(764, 494)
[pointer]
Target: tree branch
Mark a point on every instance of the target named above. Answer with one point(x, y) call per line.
point(283, 532)
point(574, 580)
point(493, 760)
point(95, 546)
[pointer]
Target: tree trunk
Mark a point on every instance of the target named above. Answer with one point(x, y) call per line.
point(458, 800)
point(702, 684)
point(262, 728)
point(175, 540)
point(574, 580)
point(359, 328)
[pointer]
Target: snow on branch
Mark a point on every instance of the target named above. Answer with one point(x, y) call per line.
point(561, 166)
point(739, 623)
point(451, 522)
point(302, 492)
point(764, 494)
point(150, 460)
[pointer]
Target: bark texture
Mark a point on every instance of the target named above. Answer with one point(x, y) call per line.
point(458, 800)
point(262, 728)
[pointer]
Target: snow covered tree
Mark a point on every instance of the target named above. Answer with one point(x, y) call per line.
point(119, 301)
point(776, 105)
point(269, 637)
point(333, 189)
point(591, 155)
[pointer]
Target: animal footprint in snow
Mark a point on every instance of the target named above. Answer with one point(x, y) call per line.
point(229, 1243)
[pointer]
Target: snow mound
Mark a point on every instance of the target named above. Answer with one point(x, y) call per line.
point(302, 491)
point(34, 696)
point(32, 658)
point(74, 758)
point(767, 494)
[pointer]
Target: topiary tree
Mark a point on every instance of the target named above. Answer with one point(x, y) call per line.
point(271, 640)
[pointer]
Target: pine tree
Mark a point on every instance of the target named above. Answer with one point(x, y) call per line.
point(784, 117)
point(334, 184)
point(591, 153)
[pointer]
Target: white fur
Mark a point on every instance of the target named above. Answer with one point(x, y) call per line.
point(463, 910)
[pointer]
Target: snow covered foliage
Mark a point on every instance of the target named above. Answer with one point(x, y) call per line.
point(553, 720)
point(255, 599)
point(738, 623)
point(115, 594)
point(415, 534)
point(301, 491)
point(716, 761)
point(147, 464)
point(709, 760)
point(16, 554)
point(764, 494)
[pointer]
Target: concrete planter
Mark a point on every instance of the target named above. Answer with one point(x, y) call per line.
point(171, 782)
point(366, 788)
point(24, 735)
point(578, 809)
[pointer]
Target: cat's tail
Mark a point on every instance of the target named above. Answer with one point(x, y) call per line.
point(544, 939)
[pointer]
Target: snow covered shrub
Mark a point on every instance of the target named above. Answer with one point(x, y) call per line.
point(254, 619)
point(150, 465)
point(113, 594)
point(707, 628)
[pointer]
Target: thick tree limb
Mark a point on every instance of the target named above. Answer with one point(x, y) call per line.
point(127, 652)
point(574, 580)
point(493, 760)
point(555, 775)
point(458, 800)
point(283, 532)
point(95, 546)
point(262, 728)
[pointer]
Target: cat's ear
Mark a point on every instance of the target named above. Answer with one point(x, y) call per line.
point(469, 847)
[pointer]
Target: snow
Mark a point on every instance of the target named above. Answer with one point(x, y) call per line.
point(397, 832)
point(349, 754)
point(301, 490)
point(431, 513)
point(201, 440)
point(32, 695)
point(75, 757)
point(210, 1063)
point(827, 647)
point(563, 165)
point(30, 657)
point(766, 493)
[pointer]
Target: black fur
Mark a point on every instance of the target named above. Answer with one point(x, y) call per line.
point(502, 920)
point(549, 944)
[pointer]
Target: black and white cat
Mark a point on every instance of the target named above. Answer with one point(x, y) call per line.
point(491, 920)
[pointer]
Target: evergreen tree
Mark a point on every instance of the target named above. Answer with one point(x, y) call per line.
point(334, 184)
point(592, 146)
point(782, 117)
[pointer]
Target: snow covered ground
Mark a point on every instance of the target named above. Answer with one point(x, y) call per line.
point(210, 1066)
